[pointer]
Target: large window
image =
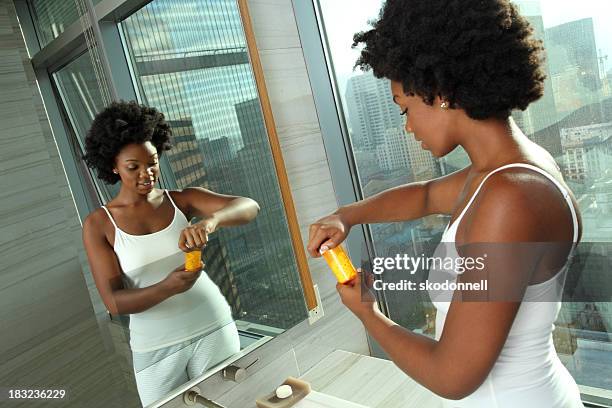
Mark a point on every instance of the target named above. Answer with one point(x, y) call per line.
point(573, 121)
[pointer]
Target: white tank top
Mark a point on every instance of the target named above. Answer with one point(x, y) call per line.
point(146, 260)
point(528, 372)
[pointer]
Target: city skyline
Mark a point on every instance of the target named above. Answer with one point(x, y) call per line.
point(355, 15)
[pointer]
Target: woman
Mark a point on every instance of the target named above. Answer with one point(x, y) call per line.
point(180, 323)
point(457, 70)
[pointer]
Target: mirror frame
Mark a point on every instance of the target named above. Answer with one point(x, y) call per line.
point(279, 164)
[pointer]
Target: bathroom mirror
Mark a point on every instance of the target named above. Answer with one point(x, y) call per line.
point(196, 62)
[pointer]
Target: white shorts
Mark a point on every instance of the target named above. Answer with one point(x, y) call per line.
point(160, 371)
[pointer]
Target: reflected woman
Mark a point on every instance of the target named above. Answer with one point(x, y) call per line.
point(180, 323)
point(457, 69)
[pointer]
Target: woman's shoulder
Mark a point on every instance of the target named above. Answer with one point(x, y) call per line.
point(97, 220)
point(97, 225)
point(525, 199)
point(181, 200)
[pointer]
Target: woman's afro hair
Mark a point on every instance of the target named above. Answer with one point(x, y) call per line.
point(120, 124)
point(480, 55)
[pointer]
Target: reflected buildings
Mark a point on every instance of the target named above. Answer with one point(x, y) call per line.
point(191, 62)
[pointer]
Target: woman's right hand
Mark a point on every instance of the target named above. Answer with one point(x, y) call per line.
point(327, 232)
point(180, 280)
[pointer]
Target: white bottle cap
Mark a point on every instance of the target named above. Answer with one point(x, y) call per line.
point(284, 391)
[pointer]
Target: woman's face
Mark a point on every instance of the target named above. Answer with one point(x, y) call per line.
point(138, 166)
point(430, 125)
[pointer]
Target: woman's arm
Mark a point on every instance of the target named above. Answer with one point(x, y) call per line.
point(215, 210)
point(227, 210)
point(407, 202)
point(474, 331)
point(402, 203)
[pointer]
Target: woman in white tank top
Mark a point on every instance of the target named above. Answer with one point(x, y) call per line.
point(458, 68)
point(180, 322)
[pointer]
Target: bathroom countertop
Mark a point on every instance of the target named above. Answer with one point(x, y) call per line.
point(370, 381)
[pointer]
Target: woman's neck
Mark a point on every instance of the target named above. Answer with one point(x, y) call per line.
point(130, 198)
point(491, 143)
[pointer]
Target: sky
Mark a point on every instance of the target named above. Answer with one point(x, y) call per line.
point(343, 18)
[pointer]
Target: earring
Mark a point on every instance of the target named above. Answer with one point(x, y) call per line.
point(115, 171)
point(444, 105)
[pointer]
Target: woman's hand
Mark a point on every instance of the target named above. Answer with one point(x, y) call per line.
point(360, 302)
point(327, 232)
point(196, 235)
point(180, 280)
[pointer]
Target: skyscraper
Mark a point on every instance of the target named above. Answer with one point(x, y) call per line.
point(392, 153)
point(371, 110)
point(540, 114)
point(574, 67)
point(263, 260)
point(185, 156)
point(422, 163)
point(189, 72)
point(586, 151)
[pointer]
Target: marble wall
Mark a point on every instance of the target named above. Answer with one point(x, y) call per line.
point(50, 337)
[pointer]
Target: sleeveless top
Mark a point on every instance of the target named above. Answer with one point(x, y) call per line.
point(146, 260)
point(528, 372)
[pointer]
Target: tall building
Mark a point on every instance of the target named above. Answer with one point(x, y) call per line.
point(587, 152)
point(182, 77)
point(371, 110)
point(263, 260)
point(574, 66)
point(219, 164)
point(542, 113)
point(185, 157)
point(422, 163)
point(392, 153)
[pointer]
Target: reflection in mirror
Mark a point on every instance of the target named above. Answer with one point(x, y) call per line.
point(190, 60)
point(208, 152)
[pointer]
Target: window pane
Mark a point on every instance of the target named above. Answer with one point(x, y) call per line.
point(573, 121)
point(190, 61)
point(52, 17)
point(82, 100)
point(80, 92)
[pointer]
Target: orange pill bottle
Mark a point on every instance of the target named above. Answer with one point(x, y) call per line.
point(193, 260)
point(340, 264)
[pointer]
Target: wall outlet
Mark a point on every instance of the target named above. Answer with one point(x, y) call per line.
point(316, 313)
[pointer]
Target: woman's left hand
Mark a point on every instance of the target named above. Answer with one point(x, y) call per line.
point(360, 302)
point(196, 235)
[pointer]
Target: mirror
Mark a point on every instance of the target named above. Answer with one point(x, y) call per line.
point(191, 61)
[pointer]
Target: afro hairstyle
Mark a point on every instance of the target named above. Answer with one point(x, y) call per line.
point(479, 55)
point(119, 124)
